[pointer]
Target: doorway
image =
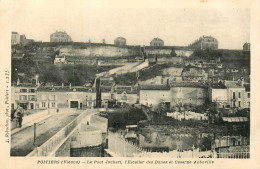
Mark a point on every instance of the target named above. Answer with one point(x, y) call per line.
point(31, 106)
point(74, 104)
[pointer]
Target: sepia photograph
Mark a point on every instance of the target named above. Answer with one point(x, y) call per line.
point(124, 83)
point(172, 84)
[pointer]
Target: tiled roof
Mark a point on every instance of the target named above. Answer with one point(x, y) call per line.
point(232, 84)
point(154, 87)
point(187, 84)
point(219, 86)
point(106, 89)
point(127, 89)
point(63, 89)
point(24, 85)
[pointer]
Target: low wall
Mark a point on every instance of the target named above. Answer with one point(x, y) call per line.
point(30, 118)
point(52, 145)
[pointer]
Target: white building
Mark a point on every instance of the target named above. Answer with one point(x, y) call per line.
point(15, 39)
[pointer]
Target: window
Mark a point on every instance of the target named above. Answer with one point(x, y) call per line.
point(53, 104)
point(22, 97)
point(239, 95)
point(32, 90)
point(248, 95)
point(234, 95)
point(32, 98)
point(43, 104)
point(239, 103)
point(23, 90)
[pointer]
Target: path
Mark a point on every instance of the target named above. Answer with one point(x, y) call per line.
point(22, 142)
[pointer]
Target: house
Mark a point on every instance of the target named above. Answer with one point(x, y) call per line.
point(60, 36)
point(153, 95)
point(23, 95)
point(157, 42)
point(60, 60)
point(195, 75)
point(120, 41)
point(15, 39)
point(177, 94)
point(188, 94)
point(235, 93)
point(205, 42)
point(218, 94)
point(58, 97)
point(126, 94)
point(247, 95)
point(158, 80)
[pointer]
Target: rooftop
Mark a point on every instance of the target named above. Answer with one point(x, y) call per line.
point(232, 84)
point(154, 87)
point(157, 39)
point(24, 85)
point(63, 89)
point(247, 87)
point(128, 89)
point(187, 84)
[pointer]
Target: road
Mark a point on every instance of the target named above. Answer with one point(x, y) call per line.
point(22, 142)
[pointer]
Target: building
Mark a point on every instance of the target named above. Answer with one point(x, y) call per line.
point(218, 94)
point(15, 39)
point(120, 41)
point(246, 47)
point(205, 42)
point(24, 40)
point(154, 95)
point(158, 80)
point(157, 42)
point(177, 94)
point(59, 97)
point(235, 93)
point(23, 95)
point(247, 95)
point(125, 94)
point(60, 60)
point(60, 36)
point(195, 75)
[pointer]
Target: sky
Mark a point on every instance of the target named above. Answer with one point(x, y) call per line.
point(138, 23)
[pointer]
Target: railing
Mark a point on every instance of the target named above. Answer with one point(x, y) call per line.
point(122, 147)
point(236, 155)
point(48, 147)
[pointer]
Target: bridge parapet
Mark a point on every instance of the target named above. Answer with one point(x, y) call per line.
point(50, 146)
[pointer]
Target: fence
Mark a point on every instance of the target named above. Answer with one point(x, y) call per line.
point(121, 147)
point(54, 142)
point(237, 152)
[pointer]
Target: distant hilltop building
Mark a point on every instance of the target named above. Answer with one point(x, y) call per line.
point(24, 40)
point(157, 42)
point(120, 41)
point(205, 42)
point(60, 36)
point(246, 47)
point(15, 39)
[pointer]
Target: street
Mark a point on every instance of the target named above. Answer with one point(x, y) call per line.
point(22, 143)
